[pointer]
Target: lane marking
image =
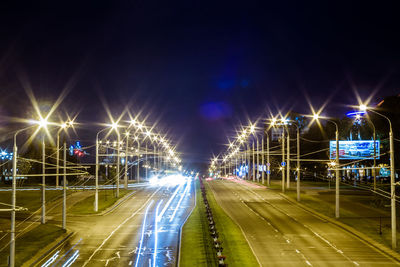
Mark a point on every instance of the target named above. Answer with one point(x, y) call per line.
point(142, 234)
point(180, 200)
point(156, 234)
point(116, 229)
point(306, 226)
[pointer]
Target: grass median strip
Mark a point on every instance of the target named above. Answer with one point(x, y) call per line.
point(29, 199)
point(196, 246)
point(106, 200)
point(236, 248)
point(32, 242)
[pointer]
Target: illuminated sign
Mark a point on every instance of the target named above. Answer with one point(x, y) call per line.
point(4, 155)
point(359, 149)
point(76, 150)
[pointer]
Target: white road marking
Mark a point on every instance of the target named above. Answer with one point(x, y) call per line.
point(116, 229)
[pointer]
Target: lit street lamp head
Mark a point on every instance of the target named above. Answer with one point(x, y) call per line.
point(42, 123)
point(114, 125)
point(363, 107)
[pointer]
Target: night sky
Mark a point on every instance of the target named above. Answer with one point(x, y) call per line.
point(198, 68)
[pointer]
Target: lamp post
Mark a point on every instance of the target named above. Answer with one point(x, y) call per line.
point(64, 206)
point(118, 163)
point(392, 175)
point(337, 193)
point(283, 160)
point(126, 161)
point(262, 160)
point(254, 169)
point(13, 199)
point(268, 163)
point(258, 162)
point(96, 195)
point(138, 160)
point(298, 164)
point(288, 159)
point(43, 217)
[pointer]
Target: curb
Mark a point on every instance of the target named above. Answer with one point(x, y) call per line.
point(48, 250)
point(363, 237)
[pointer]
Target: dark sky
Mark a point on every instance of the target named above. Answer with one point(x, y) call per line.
point(198, 67)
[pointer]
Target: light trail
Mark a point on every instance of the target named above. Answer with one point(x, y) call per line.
point(118, 227)
point(72, 259)
point(51, 260)
point(142, 235)
point(180, 200)
point(66, 253)
point(168, 203)
point(156, 234)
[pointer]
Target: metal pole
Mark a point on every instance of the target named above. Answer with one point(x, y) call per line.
point(246, 169)
point(57, 157)
point(96, 195)
point(298, 164)
point(268, 163)
point(254, 163)
point(248, 161)
point(118, 162)
point(392, 190)
point(146, 162)
point(258, 162)
point(262, 161)
point(64, 208)
point(288, 160)
point(154, 157)
point(13, 202)
point(138, 162)
point(373, 170)
point(337, 201)
point(126, 163)
point(283, 160)
point(43, 182)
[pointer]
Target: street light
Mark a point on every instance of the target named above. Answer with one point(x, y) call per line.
point(13, 199)
point(63, 126)
point(363, 107)
point(317, 117)
point(113, 126)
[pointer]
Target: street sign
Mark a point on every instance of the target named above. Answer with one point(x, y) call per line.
point(268, 164)
point(268, 172)
point(283, 164)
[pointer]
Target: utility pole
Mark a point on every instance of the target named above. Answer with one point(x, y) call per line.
point(283, 160)
point(262, 160)
point(288, 159)
point(43, 181)
point(254, 163)
point(118, 162)
point(64, 208)
point(298, 163)
point(126, 162)
point(268, 163)
point(258, 162)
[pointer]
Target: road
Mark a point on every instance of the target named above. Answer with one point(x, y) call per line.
point(126, 236)
point(281, 233)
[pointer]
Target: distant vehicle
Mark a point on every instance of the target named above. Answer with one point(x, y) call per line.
point(359, 150)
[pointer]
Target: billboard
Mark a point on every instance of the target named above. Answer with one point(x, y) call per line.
point(358, 149)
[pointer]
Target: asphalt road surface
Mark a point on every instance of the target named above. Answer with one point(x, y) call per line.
point(126, 236)
point(281, 233)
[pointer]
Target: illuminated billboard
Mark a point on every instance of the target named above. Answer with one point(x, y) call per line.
point(359, 149)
